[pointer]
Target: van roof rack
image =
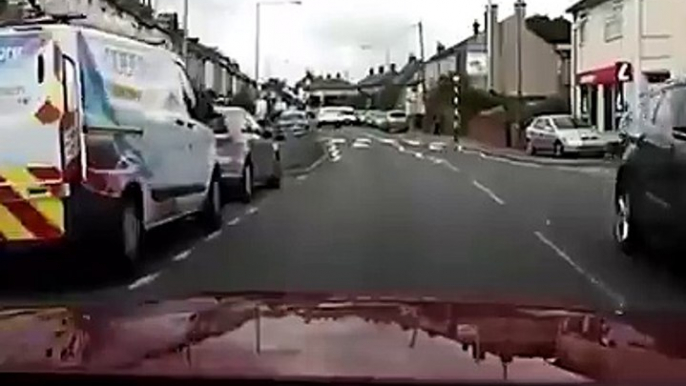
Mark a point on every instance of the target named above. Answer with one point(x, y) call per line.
point(57, 18)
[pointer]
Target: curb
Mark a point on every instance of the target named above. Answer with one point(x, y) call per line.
point(543, 161)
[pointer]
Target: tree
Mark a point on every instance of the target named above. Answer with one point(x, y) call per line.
point(387, 99)
point(245, 100)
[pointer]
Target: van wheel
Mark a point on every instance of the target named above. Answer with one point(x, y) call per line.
point(247, 184)
point(127, 239)
point(211, 215)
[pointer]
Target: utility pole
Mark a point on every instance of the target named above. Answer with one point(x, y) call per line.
point(638, 61)
point(520, 9)
point(184, 46)
point(257, 42)
point(420, 30)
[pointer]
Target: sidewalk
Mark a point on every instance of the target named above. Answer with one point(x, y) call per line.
point(468, 144)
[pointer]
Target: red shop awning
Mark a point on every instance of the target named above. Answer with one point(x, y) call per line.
point(613, 74)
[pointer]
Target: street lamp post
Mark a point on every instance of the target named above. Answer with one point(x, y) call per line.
point(258, 21)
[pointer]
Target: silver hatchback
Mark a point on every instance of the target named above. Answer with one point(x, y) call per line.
point(246, 153)
point(562, 135)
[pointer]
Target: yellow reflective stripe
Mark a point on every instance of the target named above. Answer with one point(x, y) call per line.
point(20, 179)
point(52, 209)
point(11, 228)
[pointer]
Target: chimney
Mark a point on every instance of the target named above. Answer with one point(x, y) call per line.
point(476, 27)
point(439, 47)
point(411, 58)
point(520, 9)
point(338, 75)
point(381, 70)
point(393, 68)
point(371, 71)
point(328, 76)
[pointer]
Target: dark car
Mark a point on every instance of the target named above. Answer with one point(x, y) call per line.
point(246, 152)
point(292, 123)
point(650, 191)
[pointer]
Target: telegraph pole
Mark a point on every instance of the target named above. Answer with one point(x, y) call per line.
point(420, 29)
point(184, 49)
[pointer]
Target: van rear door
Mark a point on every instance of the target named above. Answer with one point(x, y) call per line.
point(31, 114)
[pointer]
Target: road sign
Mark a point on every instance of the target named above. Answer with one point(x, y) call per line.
point(623, 72)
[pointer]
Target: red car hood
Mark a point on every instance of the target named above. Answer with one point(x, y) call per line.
point(288, 336)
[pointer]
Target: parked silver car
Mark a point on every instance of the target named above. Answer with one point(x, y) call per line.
point(247, 154)
point(293, 123)
point(562, 135)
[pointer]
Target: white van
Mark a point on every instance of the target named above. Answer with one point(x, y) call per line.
point(100, 140)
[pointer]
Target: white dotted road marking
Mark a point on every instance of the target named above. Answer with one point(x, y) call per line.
point(302, 178)
point(338, 141)
point(361, 145)
point(437, 146)
point(145, 280)
point(419, 155)
point(213, 236)
point(234, 222)
point(489, 192)
point(412, 142)
point(183, 255)
point(451, 166)
point(401, 149)
point(615, 296)
point(251, 211)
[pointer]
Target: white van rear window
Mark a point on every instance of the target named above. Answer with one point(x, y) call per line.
point(23, 64)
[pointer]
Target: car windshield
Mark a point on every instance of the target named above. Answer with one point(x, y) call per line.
point(568, 123)
point(354, 191)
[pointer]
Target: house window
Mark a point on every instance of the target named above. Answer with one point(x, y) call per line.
point(582, 23)
point(614, 20)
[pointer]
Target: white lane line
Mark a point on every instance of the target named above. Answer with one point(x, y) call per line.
point(412, 142)
point(363, 140)
point(251, 211)
point(489, 192)
point(145, 280)
point(401, 149)
point(419, 155)
point(615, 296)
point(360, 145)
point(437, 146)
point(213, 236)
point(302, 178)
point(335, 159)
point(451, 166)
point(511, 162)
point(183, 255)
point(234, 222)
point(338, 141)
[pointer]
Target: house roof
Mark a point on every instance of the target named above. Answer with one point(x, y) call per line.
point(553, 31)
point(584, 4)
point(320, 83)
point(474, 39)
point(406, 75)
point(374, 80)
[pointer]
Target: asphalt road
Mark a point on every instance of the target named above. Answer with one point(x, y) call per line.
point(382, 216)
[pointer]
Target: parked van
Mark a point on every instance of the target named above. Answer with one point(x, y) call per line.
point(101, 140)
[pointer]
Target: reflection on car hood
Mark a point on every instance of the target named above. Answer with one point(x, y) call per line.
point(276, 335)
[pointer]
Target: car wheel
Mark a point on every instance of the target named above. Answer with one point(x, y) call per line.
point(247, 184)
point(126, 246)
point(211, 215)
point(625, 230)
point(559, 150)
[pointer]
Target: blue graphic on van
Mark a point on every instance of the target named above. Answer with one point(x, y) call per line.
point(15, 48)
point(97, 107)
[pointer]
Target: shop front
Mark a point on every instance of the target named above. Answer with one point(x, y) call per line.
point(602, 95)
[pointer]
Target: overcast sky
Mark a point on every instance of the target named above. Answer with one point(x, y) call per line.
point(346, 36)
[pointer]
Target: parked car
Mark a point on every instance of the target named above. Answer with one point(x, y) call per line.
point(650, 187)
point(292, 123)
point(377, 119)
point(336, 116)
point(127, 163)
point(247, 154)
point(562, 135)
point(395, 122)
